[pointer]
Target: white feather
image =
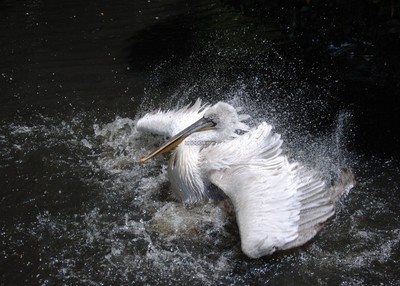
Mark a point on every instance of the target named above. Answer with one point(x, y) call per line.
point(278, 205)
point(171, 122)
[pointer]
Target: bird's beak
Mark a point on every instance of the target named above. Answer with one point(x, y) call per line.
point(202, 124)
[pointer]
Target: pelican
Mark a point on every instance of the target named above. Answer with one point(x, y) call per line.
point(278, 205)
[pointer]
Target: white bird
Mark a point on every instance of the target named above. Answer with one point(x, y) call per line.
point(278, 204)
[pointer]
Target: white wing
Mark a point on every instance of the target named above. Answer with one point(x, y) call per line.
point(278, 205)
point(171, 122)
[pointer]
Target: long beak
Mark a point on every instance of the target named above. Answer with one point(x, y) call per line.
point(200, 125)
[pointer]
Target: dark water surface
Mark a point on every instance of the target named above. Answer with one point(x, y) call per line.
point(76, 209)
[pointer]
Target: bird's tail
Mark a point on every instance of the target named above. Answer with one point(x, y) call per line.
point(345, 182)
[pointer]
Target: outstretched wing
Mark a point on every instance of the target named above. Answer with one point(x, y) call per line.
point(171, 122)
point(278, 205)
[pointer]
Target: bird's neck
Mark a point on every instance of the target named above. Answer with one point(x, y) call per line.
point(185, 173)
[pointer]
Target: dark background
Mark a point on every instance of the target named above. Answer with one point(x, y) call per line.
point(358, 42)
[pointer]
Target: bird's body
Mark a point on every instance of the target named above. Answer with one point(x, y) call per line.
point(279, 205)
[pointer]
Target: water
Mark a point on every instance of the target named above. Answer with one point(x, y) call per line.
point(77, 209)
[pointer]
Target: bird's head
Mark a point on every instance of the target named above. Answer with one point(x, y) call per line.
point(221, 117)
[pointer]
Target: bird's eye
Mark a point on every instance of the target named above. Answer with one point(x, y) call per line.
point(211, 119)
